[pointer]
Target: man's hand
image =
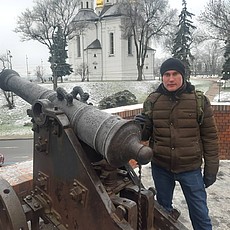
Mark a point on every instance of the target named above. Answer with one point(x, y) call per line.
point(141, 119)
point(146, 125)
point(209, 180)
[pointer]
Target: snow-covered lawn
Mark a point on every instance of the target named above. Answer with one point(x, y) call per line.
point(12, 122)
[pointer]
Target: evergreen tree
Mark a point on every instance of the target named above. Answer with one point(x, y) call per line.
point(59, 55)
point(183, 39)
point(226, 65)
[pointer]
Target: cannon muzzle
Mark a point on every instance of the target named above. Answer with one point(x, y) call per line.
point(117, 139)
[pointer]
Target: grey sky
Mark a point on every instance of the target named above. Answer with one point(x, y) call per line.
point(193, 6)
point(36, 53)
point(9, 40)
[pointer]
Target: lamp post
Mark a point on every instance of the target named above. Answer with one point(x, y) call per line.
point(27, 67)
point(9, 57)
point(9, 96)
point(220, 84)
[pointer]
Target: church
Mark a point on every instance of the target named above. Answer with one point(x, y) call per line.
point(97, 50)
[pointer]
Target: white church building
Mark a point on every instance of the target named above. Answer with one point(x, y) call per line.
point(98, 51)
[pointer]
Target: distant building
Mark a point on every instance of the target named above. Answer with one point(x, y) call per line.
point(97, 51)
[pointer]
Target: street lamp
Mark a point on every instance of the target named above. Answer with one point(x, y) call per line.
point(9, 56)
point(220, 84)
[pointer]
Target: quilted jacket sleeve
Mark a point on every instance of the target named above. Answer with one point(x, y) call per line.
point(209, 137)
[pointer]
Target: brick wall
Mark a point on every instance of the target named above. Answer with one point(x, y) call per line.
point(222, 116)
point(221, 113)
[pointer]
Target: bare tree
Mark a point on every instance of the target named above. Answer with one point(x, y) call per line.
point(208, 58)
point(83, 71)
point(145, 20)
point(216, 17)
point(40, 73)
point(9, 96)
point(42, 22)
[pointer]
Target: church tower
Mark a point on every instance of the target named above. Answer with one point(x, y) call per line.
point(99, 6)
point(99, 3)
point(87, 4)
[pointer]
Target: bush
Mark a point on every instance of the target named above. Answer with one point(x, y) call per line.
point(121, 98)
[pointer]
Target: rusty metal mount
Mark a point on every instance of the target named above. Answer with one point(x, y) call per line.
point(11, 218)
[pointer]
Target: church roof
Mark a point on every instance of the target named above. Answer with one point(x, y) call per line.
point(112, 10)
point(85, 15)
point(94, 45)
point(150, 48)
point(104, 9)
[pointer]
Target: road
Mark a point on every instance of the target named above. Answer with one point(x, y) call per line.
point(16, 150)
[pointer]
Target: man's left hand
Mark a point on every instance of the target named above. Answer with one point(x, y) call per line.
point(209, 180)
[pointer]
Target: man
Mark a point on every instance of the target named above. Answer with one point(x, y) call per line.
point(180, 142)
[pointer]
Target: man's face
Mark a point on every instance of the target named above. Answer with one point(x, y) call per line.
point(172, 80)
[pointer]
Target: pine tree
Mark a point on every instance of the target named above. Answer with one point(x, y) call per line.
point(183, 39)
point(226, 65)
point(59, 55)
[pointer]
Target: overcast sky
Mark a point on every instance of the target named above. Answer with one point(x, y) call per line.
point(32, 54)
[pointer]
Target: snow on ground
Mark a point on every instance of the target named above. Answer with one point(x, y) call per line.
point(13, 122)
point(218, 197)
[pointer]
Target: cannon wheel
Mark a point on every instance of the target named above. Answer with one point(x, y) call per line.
point(12, 215)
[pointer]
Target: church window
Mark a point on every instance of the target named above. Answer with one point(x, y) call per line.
point(78, 46)
point(111, 42)
point(130, 51)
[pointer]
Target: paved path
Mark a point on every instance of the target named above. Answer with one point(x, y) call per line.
point(213, 90)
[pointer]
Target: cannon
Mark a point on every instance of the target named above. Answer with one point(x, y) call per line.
point(82, 178)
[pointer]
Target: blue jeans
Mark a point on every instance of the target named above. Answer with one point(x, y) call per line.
point(193, 189)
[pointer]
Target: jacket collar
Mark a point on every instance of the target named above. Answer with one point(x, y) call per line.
point(187, 87)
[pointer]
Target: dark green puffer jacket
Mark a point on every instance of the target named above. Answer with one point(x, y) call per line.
point(179, 142)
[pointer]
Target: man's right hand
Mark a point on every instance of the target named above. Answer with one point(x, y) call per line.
point(146, 126)
point(141, 119)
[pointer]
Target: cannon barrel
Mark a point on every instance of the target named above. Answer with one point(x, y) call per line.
point(117, 139)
